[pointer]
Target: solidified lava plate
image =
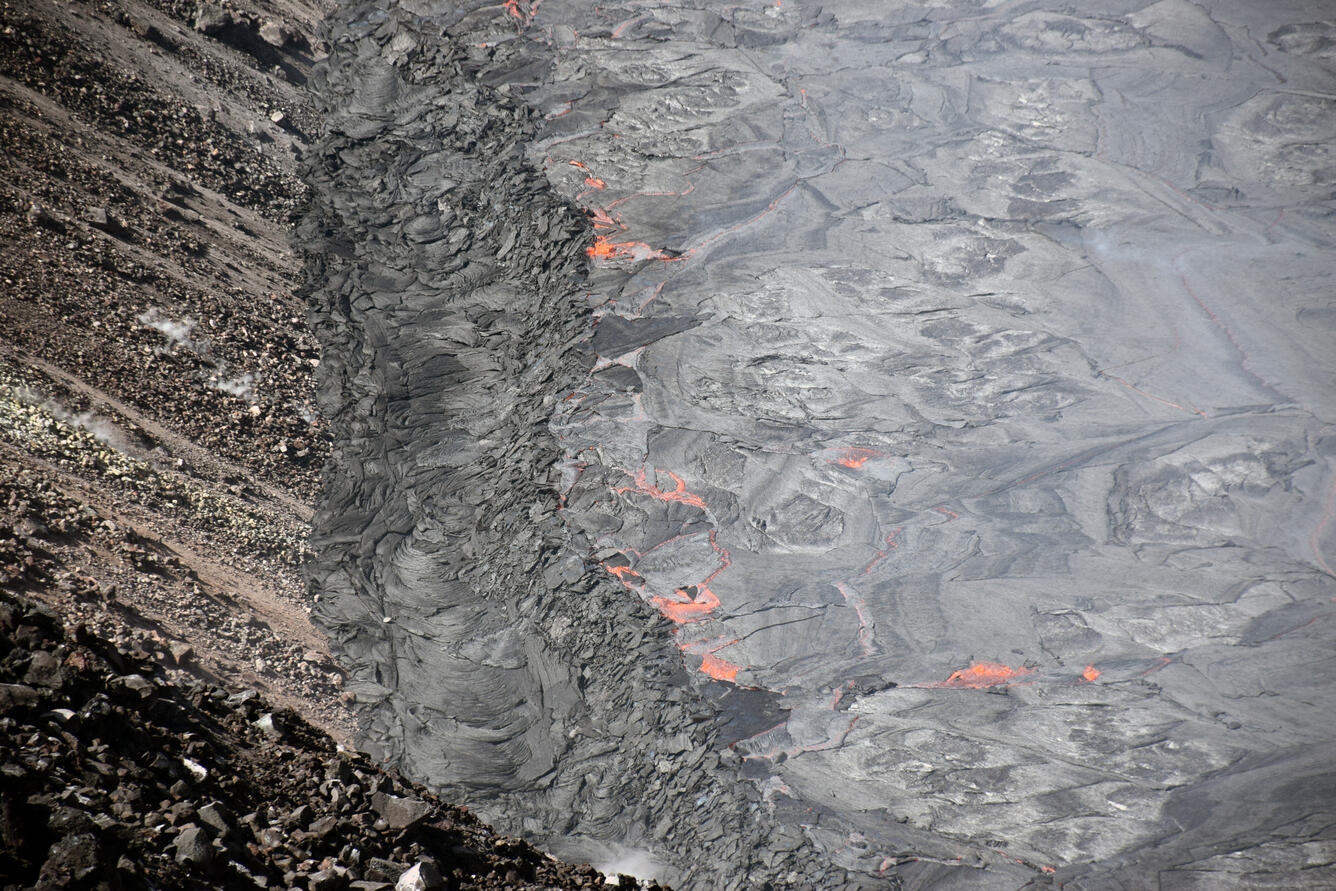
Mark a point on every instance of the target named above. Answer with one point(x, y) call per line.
point(923, 473)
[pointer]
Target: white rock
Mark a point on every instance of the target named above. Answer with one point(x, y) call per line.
point(421, 877)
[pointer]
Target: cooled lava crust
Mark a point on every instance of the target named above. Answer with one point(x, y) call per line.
point(870, 443)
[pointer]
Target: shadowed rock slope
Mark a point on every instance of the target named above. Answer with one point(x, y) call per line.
point(159, 450)
point(115, 778)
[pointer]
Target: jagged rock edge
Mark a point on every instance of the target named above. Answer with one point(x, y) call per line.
point(597, 716)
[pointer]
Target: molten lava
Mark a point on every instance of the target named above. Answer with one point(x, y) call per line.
point(523, 16)
point(691, 608)
point(693, 603)
point(981, 675)
point(697, 601)
point(626, 575)
point(602, 249)
point(1091, 673)
point(891, 545)
point(716, 667)
point(679, 493)
point(854, 459)
point(719, 669)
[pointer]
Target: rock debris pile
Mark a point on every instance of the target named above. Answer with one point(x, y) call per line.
point(159, 450)
point(113, 778)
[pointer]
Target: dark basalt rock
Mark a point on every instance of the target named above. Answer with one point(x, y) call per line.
point(92, 810)
point(193, 847)
point(400, 813)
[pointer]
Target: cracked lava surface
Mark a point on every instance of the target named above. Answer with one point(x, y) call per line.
point(975, 255)
point(961, 395)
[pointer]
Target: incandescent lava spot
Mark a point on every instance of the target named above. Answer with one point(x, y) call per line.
point(678, 494)
point(689, 604)
point(626, 575)
point(891, 545)
point(602, 249)
point(605, 249)
point(695, 603)
point(854, 461)
point(854, 458)
point(715, 666)
point(982, 675)
point(1091, 673)
point(523, 15)
point(719, 669)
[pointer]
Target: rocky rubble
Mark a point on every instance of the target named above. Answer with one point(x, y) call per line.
point(127, 565)
point(159, 447)
point(148, 275)
point(115, 778)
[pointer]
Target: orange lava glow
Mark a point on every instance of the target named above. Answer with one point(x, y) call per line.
point(605, 249)
point(625, 574)
point(891, 545)
point(600, 219)
point(697, 601)
point(523, 16)
point(602, 249)
point(691, 608)
point(719, 669)
point(693, 603)
point(983, 674)
point(854, 458)
point(716, 667)
point(1091, 673)
point(679, 493)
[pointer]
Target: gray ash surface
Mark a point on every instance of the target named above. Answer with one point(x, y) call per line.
point(927, 481)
